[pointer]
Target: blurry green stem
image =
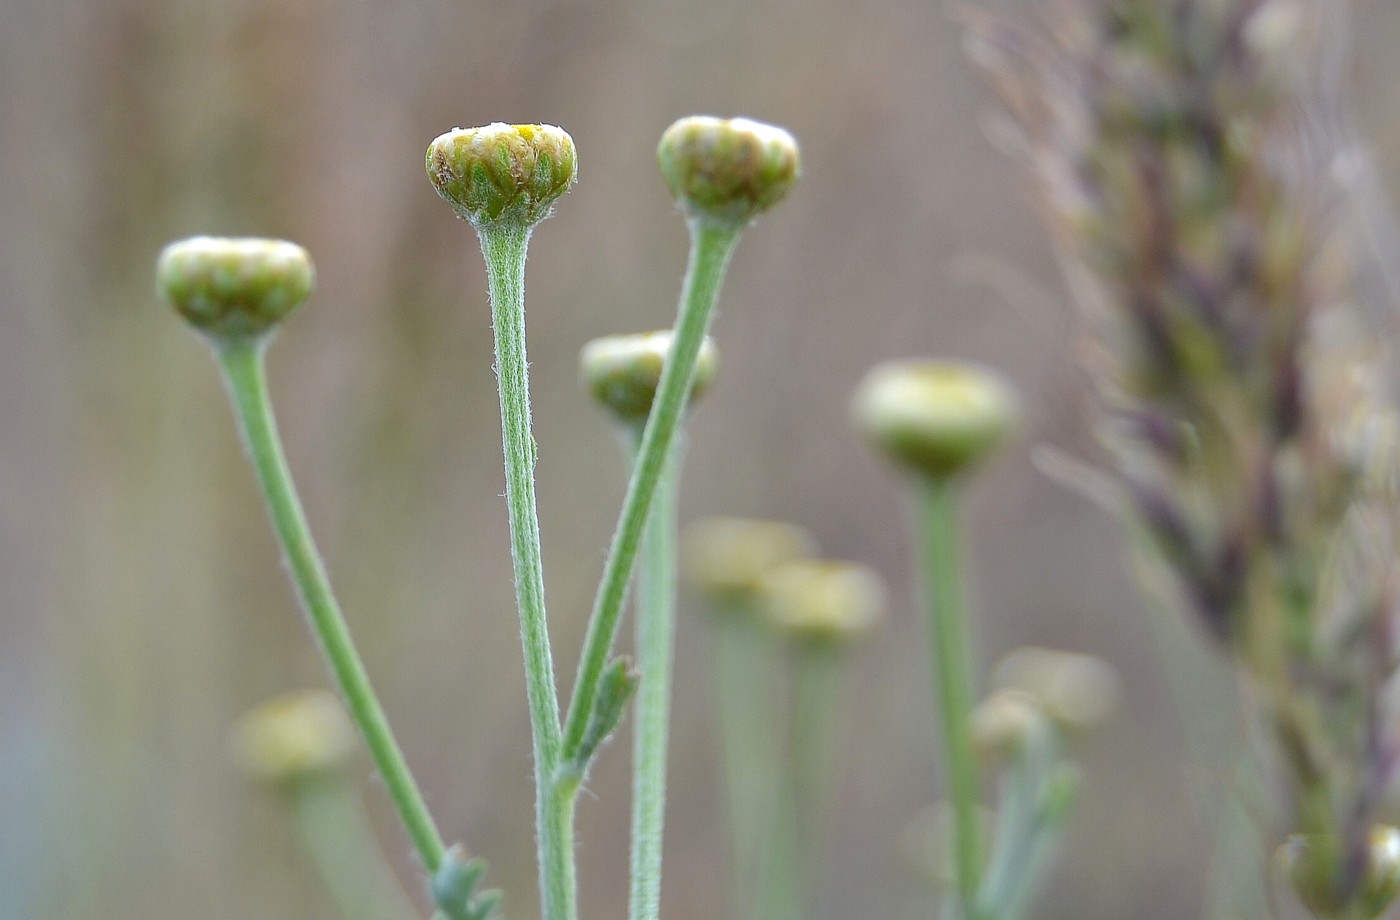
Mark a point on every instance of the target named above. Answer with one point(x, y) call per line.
point(793, 862)
point(656, 625)
point(244, 374)
point(336, 833)
point(710, 250)
point(951, 656)
point(504, 247)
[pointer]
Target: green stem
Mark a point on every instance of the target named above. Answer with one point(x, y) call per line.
point(244, 374)
point(951, 659)
point(504, 248)
point(743, 666)
point(711, 248)
point(336, 834)
point(656, 626)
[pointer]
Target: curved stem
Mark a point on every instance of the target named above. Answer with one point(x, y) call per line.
point(951, 656)
point(504, 248)
point(711, 247)
point(244, 374)
point(656, 626)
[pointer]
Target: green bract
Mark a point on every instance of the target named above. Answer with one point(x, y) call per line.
point(935, 418)
point(727, 171)
point(622, 372)
point(502, 173)
point(232, 289)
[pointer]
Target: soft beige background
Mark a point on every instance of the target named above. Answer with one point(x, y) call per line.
point(141, 604)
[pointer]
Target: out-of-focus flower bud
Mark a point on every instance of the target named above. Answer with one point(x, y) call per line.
point(294, 736)
point(1314, 866)
point(234, 289)
point(1079, 692)
point(622, 372)
point(727, 170)
point(725, 557)
point(1005, 724)
point(821, 601)
point(502, 174)
point(935, 418)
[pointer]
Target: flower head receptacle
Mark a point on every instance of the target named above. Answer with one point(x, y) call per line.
point(502, 174)
point(822, 602)
point(727, 170)
point(935, 418)
point(622, 372)
point(726, 558)
point(294, 737)
point(234, 289)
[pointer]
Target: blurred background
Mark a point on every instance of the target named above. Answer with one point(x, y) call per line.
point(142, 607)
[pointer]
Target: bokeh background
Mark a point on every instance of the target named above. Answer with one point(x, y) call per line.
point(142, 607)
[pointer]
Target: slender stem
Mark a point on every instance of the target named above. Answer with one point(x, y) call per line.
point(744, 688)
point(244, 374)
point(336, 834)
point(711, 247)
point(951, 660)
point(656, 628)
point(504, 248)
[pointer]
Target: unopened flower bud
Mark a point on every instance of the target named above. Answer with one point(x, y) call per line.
point(726, 557)
point(1078, 692)
point(727, 170)
point(622, 372)
point(502, 174)
point(935, 418)
point(821, 601)
point(294, 736)
point(1005, 724)
point(1315, 866)
point(231, 289)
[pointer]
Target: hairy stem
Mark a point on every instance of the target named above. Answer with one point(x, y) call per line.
point(504, 247)
point(244, 374)
point(950, 656)
point(711, 247)
point(656, 627)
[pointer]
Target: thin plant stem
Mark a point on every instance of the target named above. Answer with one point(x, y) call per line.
point(246, 379)
point(710, 250)
point(950, 656)
point(744, 691)
point(655, 644)
point(504, 248)
point(336, 835)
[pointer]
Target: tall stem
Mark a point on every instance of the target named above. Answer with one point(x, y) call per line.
point(656, 626)
point(951, 656)
point(711, 247)
point(242, 365)
point(504, 248)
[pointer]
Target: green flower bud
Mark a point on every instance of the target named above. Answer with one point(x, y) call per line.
point(935, 418)
point(1005, 725)
point(1314, 866)
point(294, 736)
point(822, 602)
point(622, 372)
point(502, 174)
point(727, 557)
point(1078, 692)
point(727, 171)
point(232, 289)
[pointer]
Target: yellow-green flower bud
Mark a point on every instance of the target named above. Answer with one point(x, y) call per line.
point(1005, 724)
point(727, 170)
point(1079, 692)
point(726, 557)
point(294, 736)
point(935, 418)
point(502, 174)
point(1315, 866)
point(622, 372)
point(231, 289)
point(821, 601)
